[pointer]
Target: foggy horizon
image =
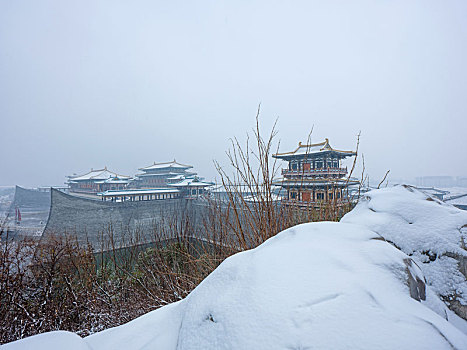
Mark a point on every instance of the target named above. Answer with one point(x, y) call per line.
point(93, 84)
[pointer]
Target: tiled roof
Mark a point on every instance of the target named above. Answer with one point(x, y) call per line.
point(315, 148)
point(173, 164)
point(101, 174)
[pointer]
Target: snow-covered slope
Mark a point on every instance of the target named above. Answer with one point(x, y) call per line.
point(317, 286)
point(321, 286)
point(431, 232)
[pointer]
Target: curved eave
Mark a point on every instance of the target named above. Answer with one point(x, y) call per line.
point(191, 184)
point(293, 155)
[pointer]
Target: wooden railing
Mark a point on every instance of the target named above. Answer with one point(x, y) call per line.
point(321, 171)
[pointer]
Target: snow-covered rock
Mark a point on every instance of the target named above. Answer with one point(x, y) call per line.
point(314, 286)
point(322, 286)
point(431, 232)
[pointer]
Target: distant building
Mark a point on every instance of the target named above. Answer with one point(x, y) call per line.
point(157, 181)
point(314, 175)
point(137, 195)
point(192, 188)
point(187, 188)
point(247, 193)
point(162, 175)
point(435, 181)
point(97, 181)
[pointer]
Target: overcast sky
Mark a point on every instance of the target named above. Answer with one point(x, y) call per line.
point(88, 84)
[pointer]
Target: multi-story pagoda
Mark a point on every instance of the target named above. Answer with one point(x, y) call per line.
point(97, 181)
point(314, 175)
point(162, 175)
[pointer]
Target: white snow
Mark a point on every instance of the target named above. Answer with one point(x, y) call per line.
point(454, 191)
point(312, 149)
point(51, 340)
point(321, 285)
point(314, 286)
point(191, 183)
point(421, 227)
point(102, 174)
point(155, 330)
point(173, 164)
point(460, 200)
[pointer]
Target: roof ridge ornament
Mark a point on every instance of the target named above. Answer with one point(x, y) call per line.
point(326, 144)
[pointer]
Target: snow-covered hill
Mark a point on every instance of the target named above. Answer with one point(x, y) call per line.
point(314, 286)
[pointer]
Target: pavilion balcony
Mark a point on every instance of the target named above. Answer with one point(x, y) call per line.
point(314, 172)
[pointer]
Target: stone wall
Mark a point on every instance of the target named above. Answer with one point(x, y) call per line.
point(90, 220)
point(30, 198)
point(34, 207)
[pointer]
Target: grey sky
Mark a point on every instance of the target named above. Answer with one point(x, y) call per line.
point(124, 83)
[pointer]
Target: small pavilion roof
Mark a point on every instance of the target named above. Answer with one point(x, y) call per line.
point(165, 174)
point(312, 149)
point(100, 174)
point(166, 165)
point(191, 183)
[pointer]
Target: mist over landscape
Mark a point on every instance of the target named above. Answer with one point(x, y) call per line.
point(91, 84)
point(205, 175)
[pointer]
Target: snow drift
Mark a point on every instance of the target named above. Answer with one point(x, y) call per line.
point(314, 286)
point(431, 232)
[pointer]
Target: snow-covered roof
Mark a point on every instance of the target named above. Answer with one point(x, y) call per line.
point(165, 165)
point(191, 183)
point(454, 192)
point(159, 174)
point(100, 174)
point(313, 149)
point(458, 200)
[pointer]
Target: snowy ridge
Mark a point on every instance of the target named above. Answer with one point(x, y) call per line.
point(431, 232)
